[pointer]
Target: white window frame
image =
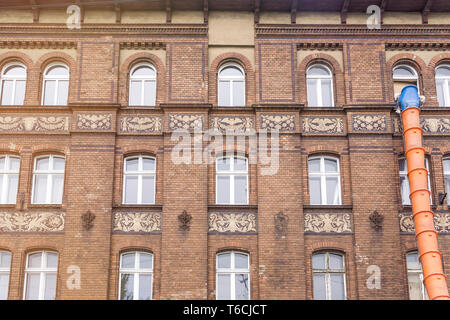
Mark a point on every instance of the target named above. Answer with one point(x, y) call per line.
point(50, 173)
point(327, 271)
point(446, 85)
point(230, 79)
point(136, 271)
point(6, 270)
point(43, 271)
point(5, 182)
point(140, 174)
point(142, 80)
point(232, 174)
point(14, 79)
point(446, 177)
point(232, 271)
point(406, 78)
point(318, 79)
point(416, 271)
point(405, 174)
point(57, 79)
point(323, 175)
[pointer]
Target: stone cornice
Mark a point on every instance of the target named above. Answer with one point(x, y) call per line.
point(26, 44)
point(417, 46)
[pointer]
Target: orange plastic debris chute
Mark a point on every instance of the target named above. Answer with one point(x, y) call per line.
point(426, 235)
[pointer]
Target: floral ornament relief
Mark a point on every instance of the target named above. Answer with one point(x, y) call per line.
point(185, 220)
point(281, 223)
point(241, 124)
point(185, 121)
point(369, 122)
point(91, 121)
point(32, 221)
point(140, 124)
point(323, 125)
point(441, 222)
point(435, 125)
point(232, 222)
point(280, 122)
point(328, 223)
point(87, 220)
point(137, 222)
point(36, 124)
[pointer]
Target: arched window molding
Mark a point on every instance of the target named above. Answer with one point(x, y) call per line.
point(231, 85)
point(142, 85)
point(319, 81)
point(13, 84)
point(55, 90)
point(232, 275)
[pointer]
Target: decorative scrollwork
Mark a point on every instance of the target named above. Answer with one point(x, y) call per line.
point(328, 223)
point(323, 125)
point(185, 220)
point(146, 222)
point(376, 220)
point(232, 222)
point(32, 221)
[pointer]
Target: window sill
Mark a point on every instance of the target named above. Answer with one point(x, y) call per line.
point(232, 206)
point(320, 206)
point(8, 206)
point(143, 206)
point(408, 208)
point(43, 205)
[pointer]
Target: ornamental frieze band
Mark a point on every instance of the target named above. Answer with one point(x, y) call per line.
point(186, 121)
point(94, 121)
point(32, 221)
point(280, 122)
point(441, 222)
point(49, 124)
point(142, 222)
point(369, 123)
point(231, 123)
point(435, 125)
point(323, 125)
point(140, 124)
point(328, 223)
point(232, 223)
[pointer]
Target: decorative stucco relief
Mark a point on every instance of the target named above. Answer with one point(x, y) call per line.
point(140, 124)
point(323, 125)
point(441, 222)
point(238, 123)
point(328, 223)
point(94, 121)
point(185, 121)
point(232, 222)
point(32, 221)
point(369, 123)
point(34, 124)
point(435, 125)
point(280, 122)
point(146, 222)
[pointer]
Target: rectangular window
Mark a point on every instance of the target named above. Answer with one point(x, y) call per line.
point(231, 181)
point(5, 265)
point(324, 181)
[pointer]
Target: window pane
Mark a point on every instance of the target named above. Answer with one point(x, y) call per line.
point(145, 287)
point(240, 189)
point(12, 188)
point(4, 283)
point(318, 71)
point(19, 95)
point(238, 93)
point(34, 260)
point(14, 164)
point(144, 71)
point(402, 165)
point(2, 176)
point(132, 164)
point(52, 260)
point(242, 286)
point(49, 92)
point(319, 288)
point(148, 164)
point(50, 286)
point(126, 286)
point(332, 190)
point(440, 87)
point(58, 163)
point(231, 72)
point(240, 261)
point(337, 286)
point(131, 189)
point(404, 72)
point(42, 164)
point(312, 92)
point(32, 291)
point(314, 165)
point(5, 259)
point(146, 261)
point(331, 165)
point(404, 189)
point(223, 164)
point(40, 188)
point(447, 165)
point(58, 187)
point(224, 260)
point(443, 71)
point(224, 93)
point(415, 286)
point(412, 261)
point(240, 164)
point(318, 261)
point(57, 71)
point(2, 163)
point(149, 93)
point(447, 188)
point(128, 260)
point(148, 189)
point(223, 287)
point(327, 96)
point(223, 189)
point(15, 71)
point(135, 93)
point(336, 261)
point(315, 190)
point(7, 92)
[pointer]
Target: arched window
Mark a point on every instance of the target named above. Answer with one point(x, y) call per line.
point(5, 266)
point(319, 81)
point(415, 277)
point(328, 276)
point(139, 180)
point(142, 90)
point(324, 181)
point(9, 178)
point(446, 164)
point(232, 276)
point(443, 85)
point(13, 83)
point(231, 85)
point(404, 182)
point(56, 85)
point(48, 179)
point(40, 275)
point(403, 76)
point(232, 180)
point(136, 276)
